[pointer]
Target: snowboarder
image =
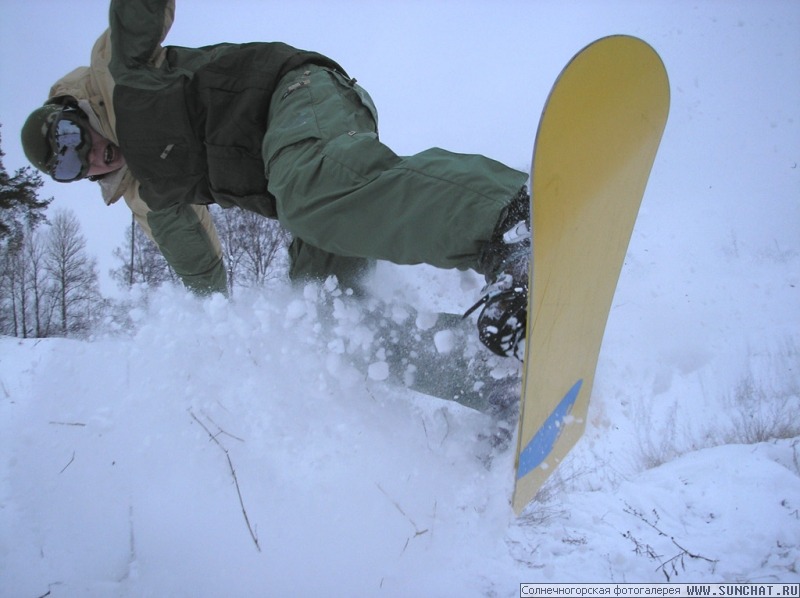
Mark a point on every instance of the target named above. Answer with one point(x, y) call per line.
point(285, 133)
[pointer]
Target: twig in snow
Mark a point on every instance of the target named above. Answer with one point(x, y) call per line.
point(671, 564)
point(447, 431)
point(680, 558)
point(220, 431)
point(131, 543)
point(425, 429)
point(235, 479)
point(68, 464)
point(417, 531)
point(76, 424)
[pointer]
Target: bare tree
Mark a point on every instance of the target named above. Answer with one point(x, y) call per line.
point(73, 274)
point(226, 221)
point(266, 253)
point(142, 261)
point(254, 246)
point(10, 275)
point(38, 283)
point(26, 309)
point(254, 249)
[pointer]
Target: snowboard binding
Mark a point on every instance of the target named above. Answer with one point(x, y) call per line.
point(503, 319)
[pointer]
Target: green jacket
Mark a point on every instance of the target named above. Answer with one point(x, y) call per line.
point(190, 126)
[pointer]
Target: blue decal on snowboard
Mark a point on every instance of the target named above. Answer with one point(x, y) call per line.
point(543, 441)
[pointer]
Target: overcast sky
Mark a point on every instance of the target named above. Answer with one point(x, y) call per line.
point(466, 75)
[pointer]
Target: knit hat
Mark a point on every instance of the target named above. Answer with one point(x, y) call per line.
point(57, 139)
point(36, 135)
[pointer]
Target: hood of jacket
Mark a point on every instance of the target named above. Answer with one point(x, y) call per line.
point(92, 87)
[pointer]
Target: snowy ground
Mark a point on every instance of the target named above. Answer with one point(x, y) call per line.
point(110, 484)
point(112, 487)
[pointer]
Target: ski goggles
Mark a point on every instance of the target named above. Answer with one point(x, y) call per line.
point(70, 143)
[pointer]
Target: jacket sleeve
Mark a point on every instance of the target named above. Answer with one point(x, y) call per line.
point(176, 234)
point(137, 29)
point(184, 233)
point(186, 236)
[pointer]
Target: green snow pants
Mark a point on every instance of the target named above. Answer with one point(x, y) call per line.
point(348, 199)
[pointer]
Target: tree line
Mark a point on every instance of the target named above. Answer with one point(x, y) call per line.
point(49, 284)
point(255, 250)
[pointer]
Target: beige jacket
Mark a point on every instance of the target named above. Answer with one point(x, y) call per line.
point(93, 88)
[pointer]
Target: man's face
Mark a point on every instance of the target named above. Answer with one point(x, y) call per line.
point(104, 156)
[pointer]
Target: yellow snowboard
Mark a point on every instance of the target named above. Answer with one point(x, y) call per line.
point(594, 150)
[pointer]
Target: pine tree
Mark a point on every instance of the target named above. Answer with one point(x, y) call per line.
point(21, 211)
point(20, 206)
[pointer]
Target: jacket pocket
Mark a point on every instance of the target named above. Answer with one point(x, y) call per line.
point(364, 98)
point(292, 116)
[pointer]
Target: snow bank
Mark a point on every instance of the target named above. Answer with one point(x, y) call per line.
point(113, 486)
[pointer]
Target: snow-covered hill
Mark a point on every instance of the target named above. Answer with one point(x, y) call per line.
point(112, 485)
point(128, 462)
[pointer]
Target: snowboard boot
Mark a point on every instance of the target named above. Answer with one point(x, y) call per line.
point(502, 321)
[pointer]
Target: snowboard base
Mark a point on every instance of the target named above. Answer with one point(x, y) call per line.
point(595, 147)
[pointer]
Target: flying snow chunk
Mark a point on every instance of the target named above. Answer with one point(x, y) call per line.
point(295, 310)
point(444, 341)
point(426, 320)
point(378, 371)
